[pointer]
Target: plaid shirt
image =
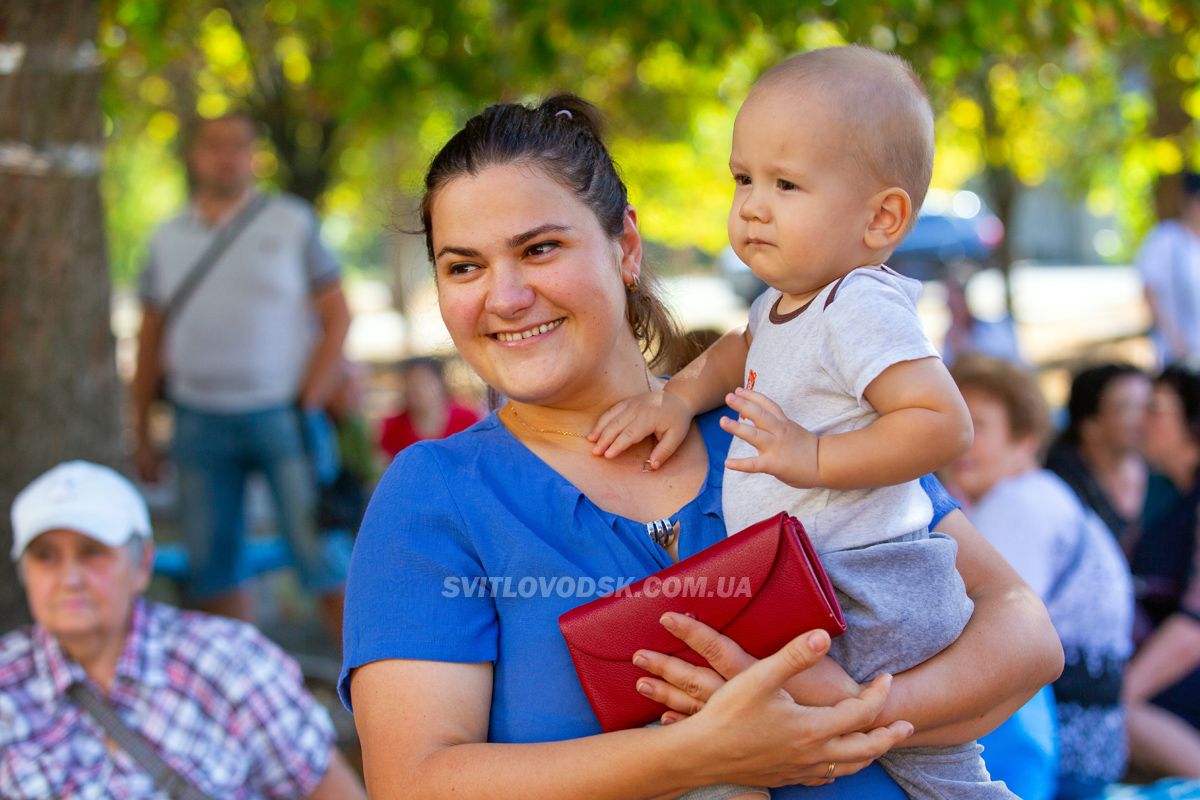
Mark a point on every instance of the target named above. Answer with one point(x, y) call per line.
point(224, 706)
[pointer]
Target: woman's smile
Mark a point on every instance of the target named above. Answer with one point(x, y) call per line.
point(525, 334)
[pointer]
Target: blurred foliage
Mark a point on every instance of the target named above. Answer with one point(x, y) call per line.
point(1101, 96)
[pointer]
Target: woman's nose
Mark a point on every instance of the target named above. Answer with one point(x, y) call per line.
point(71, 572)
point(509, 292)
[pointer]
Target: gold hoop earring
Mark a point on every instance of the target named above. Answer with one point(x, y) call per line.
point(633, 285)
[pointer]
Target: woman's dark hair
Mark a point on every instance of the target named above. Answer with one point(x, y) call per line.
point(1009, 384)
point(1087, 392)
point(1184, 380)
point(562, 138)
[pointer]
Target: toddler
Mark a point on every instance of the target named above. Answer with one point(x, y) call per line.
point(845, 404)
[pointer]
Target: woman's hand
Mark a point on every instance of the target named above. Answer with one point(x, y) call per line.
point(763, 737)
point(685, 688)
point(689, 690)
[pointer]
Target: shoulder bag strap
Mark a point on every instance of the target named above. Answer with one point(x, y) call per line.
point(165, 776)
point(1076, 558)
point(212, 254)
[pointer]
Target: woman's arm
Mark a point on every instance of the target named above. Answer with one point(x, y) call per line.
point(1170, 654)
point(424, 725)
point(1160, 741)
point(1007, 652)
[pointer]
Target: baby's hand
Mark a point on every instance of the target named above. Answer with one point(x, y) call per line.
point(660, 413)
point(785, 450)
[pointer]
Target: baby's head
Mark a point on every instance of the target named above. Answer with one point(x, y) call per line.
point(832, 155)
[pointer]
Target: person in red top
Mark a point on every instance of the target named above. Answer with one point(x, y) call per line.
point(429, 410)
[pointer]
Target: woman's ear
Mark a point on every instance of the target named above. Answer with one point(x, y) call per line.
point(1028, 447)
point(892, 209)
point(630, 243)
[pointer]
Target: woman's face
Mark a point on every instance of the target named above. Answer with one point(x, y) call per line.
point(423, 389)
point(530, 287)
point(79, 587)
point(1166, 427)
point(1120, 420)
point(994, 454)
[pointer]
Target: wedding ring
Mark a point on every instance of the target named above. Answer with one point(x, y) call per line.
point(829, 772)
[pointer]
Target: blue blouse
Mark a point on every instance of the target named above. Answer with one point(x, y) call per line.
point(472, 547)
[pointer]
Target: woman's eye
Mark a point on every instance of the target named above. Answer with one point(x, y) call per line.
point(39, 554)
point(461, 268)
point(541, 248)
point(786, 186)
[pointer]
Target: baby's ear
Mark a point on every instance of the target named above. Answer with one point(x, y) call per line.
point(891, 212)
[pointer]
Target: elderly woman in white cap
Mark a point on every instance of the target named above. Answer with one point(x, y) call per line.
point(110, 695)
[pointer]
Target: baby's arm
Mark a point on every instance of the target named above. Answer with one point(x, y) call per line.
point(923, 425)
point(700, 386)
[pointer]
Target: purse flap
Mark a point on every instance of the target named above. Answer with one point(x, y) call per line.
point(714, 586)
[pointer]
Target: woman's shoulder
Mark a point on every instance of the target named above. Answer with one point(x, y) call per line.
point(1039, 486)
point(1037, 500)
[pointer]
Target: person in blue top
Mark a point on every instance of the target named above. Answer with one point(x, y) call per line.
point(455, 669)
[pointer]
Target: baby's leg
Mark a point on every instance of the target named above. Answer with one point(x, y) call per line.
point(933, 773)
point(904, 602)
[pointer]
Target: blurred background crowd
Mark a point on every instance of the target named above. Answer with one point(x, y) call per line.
point(1060, 250)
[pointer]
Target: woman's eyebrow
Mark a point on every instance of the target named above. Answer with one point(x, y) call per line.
point(513, 241)
point(533, 233)
point(458, 251)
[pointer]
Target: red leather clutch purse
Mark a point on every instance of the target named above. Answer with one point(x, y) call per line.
point(761, 587)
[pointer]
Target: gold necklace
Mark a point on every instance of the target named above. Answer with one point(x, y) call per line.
point(528, 426)
point(521, 421)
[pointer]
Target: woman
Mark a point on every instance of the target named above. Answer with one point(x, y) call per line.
point(223, 708)
point(429, 410)
point(1162, 686)
point(464, 692)
point(1064, 552)
point(1097, 454)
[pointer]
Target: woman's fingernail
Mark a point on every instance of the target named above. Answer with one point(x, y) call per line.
point(816, 641)
point(668, 622)
point(640, 660)
point(643, 687)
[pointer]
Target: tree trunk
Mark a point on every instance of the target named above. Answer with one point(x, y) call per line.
point(58, 386)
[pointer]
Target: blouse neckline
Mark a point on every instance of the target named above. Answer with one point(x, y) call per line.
point(707, 500)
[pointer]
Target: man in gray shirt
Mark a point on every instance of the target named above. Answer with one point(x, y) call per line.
point(257, 343)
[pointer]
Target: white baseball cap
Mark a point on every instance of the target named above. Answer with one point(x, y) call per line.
point(79, 496)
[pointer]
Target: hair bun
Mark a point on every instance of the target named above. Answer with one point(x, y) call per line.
point(574, 109)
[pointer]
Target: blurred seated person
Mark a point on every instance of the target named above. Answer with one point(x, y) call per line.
point(970, 334)
point(1098, 454)
point(1064, 552)
point(429, 410)
point(223, 707)
point(1162, 686)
